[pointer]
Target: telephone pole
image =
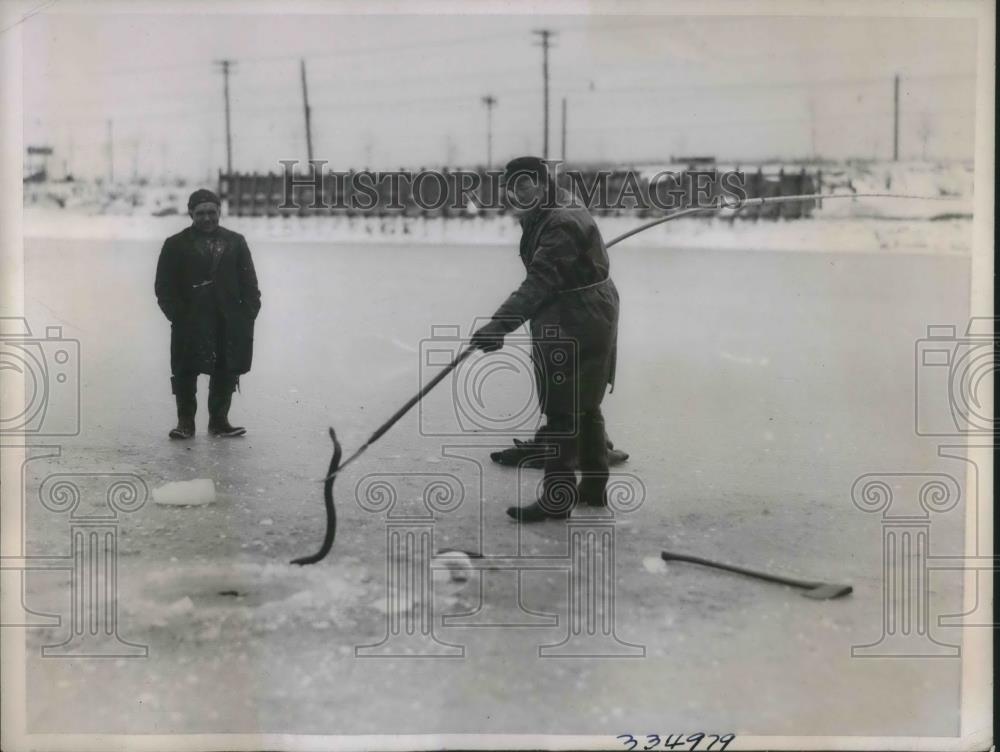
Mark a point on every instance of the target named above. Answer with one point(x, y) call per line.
point(895, 119)
point(226, 66)
point(490, 101)
point(564, 130)
point(545, 34)
point(305, 104)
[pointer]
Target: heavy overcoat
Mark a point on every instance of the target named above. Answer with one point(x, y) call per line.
point(207, 288)
point(572, 305)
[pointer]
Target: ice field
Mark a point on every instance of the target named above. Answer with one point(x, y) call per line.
point(753, 390)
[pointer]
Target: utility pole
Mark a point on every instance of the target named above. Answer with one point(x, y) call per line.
point(226, 66)
point(545, 34)
point(564, 130)
point(305, 104)
point(111, 152)
point(490, 101)
point(895, 120)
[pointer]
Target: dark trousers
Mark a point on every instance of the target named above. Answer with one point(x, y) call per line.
point(220, 393)
point(577, 440)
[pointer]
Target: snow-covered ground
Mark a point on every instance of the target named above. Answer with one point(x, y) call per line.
point(753, 389)
point(839, 234)
point(938, 223)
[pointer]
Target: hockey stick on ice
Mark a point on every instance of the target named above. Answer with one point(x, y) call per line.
point(819, 591)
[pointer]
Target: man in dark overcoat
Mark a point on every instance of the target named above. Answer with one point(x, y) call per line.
point(572, 306)
point(206, 286)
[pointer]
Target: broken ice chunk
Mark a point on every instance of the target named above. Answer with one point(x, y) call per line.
point(186, 493)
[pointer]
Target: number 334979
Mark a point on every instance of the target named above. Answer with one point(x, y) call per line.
point(688, 743)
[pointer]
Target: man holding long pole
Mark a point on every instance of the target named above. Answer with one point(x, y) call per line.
point(568, 297)
point(546, 262)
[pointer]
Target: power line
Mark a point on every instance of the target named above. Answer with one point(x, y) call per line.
point(252, 60)
point(744, 85)
point(581, 84)
point(381, 50)
point(146, 113)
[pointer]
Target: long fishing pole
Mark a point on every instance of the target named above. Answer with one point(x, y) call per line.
point(336, 466)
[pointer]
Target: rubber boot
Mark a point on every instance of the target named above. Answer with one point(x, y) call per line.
point(184, 388)
point(593, 454)
point(559, 489)
point(220, 397)
point(531, 454)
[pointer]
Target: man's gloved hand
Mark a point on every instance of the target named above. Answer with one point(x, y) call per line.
point(487, 338)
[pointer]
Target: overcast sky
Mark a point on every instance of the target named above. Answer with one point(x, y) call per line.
point(394, 91)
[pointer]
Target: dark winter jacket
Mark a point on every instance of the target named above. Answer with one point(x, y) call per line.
point(563, 251)
point(207, 288)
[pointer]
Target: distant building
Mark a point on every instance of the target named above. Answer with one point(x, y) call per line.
point(36, 164)
point(693, 161)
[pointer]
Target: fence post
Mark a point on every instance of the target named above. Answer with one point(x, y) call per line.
point(235, 186)
point(272, 202)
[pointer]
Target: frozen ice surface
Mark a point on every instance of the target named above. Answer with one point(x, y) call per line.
point(203, 599)
point(832, 229)
point(752, 390)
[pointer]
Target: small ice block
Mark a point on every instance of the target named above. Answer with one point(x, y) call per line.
point(186, 493)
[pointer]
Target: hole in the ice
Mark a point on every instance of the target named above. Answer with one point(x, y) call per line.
point(243, 589)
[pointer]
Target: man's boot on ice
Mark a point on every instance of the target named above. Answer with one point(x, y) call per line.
point(531, 454)
point(187, 405)
point(220, 396)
